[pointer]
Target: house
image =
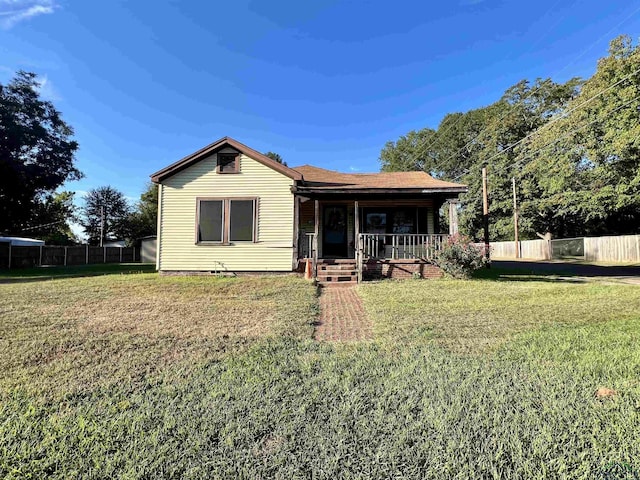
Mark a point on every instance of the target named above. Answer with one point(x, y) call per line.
point(229, 208)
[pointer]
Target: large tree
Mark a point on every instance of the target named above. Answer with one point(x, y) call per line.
point(582, 174)
point(107, 207)
point(523, 109)
point(143, 219)
point(36, 152)
point(573, 148)
point(463, 143)
point(52, 219)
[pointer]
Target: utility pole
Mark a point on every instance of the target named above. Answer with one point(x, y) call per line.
point(515, 217)
point(485, 213)
point(101, 224)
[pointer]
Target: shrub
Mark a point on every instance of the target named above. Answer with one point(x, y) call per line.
point(459, 257)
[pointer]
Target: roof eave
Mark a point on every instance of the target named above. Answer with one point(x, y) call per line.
point(364, 191)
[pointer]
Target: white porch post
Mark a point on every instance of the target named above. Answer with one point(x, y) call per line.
point(453, 216)
point(315, 237)
point(356, 223)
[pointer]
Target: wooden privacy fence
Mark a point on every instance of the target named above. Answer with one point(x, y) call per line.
point(12, 256)
point(622, 248)
point(531, 249)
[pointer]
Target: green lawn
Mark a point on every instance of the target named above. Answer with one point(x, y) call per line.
point(478, 316)
point(139, 376)
point(42, 273)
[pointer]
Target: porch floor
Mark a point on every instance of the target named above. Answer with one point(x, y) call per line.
point(329, 260)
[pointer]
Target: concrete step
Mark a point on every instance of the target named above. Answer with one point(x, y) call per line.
point(337, 284)
point(337, 278)
point(338, 271)
point(336, 266)
point(342, 283)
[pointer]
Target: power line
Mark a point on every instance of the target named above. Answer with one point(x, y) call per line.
point(530, 155)
point(561, 116)
point(42, 226)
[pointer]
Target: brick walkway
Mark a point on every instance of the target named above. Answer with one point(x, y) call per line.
point(342, 317)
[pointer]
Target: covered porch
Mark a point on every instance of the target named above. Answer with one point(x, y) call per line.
point(356, 239)
point(355, 226)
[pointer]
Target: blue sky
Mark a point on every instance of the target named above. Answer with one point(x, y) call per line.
point(144, 83)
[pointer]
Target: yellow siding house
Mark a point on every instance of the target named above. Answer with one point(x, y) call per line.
point(228, 208)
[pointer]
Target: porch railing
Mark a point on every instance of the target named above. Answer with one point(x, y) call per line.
point(397, 246)
point(308, 248)
point(379, 246)
point(306, 245)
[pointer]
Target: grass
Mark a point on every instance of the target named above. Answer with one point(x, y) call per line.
point(42, 273)
point(77, 333)
point(477, 316)
point(136, 376)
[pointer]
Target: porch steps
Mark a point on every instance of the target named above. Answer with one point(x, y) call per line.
point(337, 273)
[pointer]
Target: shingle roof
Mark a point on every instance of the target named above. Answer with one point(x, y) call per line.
point(312, 178)
point(320, 178)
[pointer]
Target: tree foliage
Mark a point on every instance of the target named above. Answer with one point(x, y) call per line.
point(275, 156)
point(143, 219)
point(116, 214)
point(582, 174)
point(52, 219)
point(36, 153)
point(573, 147)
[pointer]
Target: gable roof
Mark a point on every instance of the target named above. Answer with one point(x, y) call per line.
point(320, 179)
point(315, 179)
point(216, 146)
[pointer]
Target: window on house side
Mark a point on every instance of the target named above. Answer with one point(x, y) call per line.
point(241, 220)
point(227, 163)
point(226, 220)
point(211, 221)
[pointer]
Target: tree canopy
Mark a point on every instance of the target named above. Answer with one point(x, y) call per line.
point(52, 218)
point(143, 219)
point(275, 156)
point(116, 214)
point(573, 147)
point(37, 153)
point(581, 175)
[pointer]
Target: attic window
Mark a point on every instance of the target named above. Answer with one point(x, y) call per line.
point(228, 163)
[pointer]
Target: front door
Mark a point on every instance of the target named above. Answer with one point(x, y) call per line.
point(334, 231)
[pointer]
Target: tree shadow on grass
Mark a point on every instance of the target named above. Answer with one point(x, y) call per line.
point(558, 272)
point(38, 274)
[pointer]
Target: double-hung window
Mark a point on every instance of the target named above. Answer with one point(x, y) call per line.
point(226, 220)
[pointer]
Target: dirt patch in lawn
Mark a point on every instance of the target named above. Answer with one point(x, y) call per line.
point(171, 314)
point(73, 333)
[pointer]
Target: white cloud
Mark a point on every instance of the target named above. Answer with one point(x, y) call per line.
point(78, 231)
point(15, 11)
point(354, 169)
point(47, 90)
